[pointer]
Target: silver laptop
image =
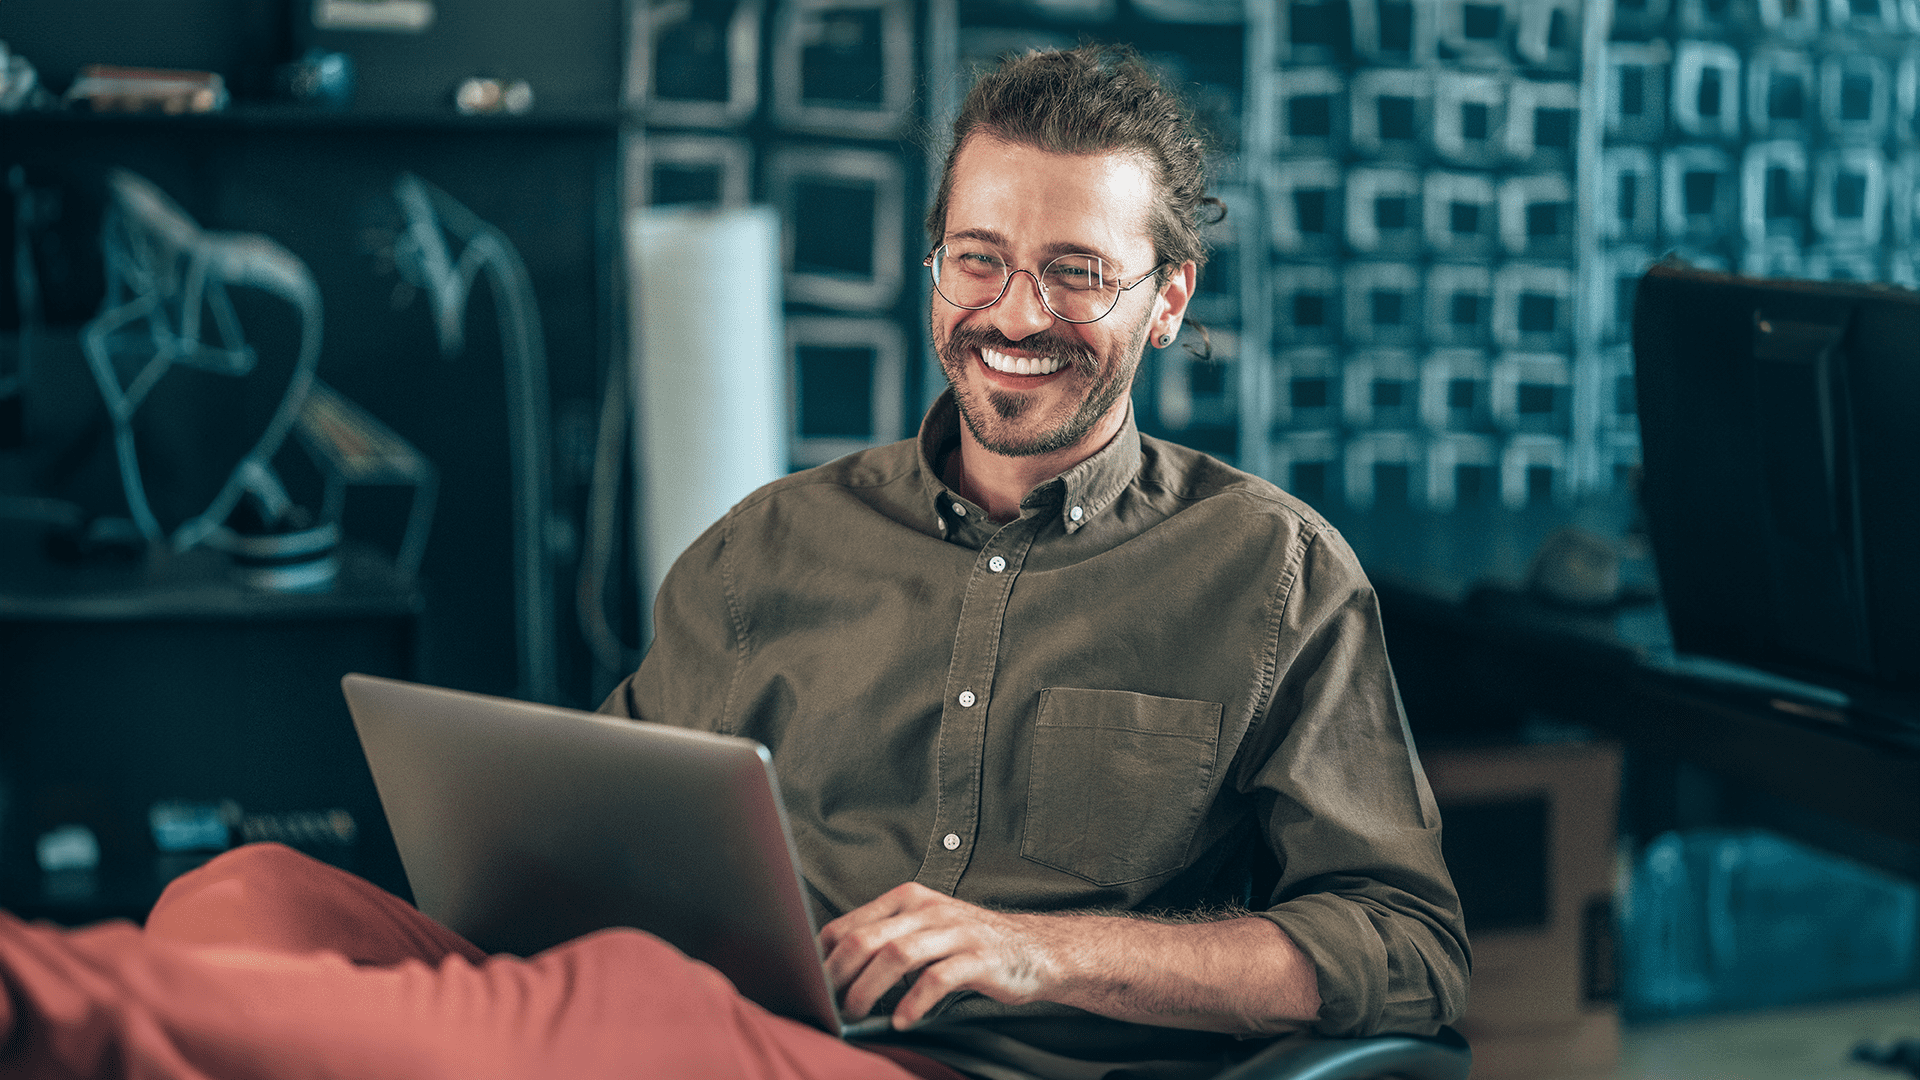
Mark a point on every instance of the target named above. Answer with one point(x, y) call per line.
point(522, 826)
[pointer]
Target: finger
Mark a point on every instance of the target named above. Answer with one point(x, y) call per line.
point(857, 945)
point(986, 965)
point(866, 915)
point(885, 906)
point(932, 986)
point(865, 992)
point(848, 941)
point(896, 959)
point(885, 967)
point(832, 934)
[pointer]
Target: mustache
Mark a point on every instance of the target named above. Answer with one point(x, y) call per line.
point(1047, 343)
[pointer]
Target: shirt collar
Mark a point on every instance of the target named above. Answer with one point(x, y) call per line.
point(1079, 495)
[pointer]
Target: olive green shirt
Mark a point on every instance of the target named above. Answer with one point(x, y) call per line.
point(1162, 688)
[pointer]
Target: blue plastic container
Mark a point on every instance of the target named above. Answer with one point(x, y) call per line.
point(1717, 919)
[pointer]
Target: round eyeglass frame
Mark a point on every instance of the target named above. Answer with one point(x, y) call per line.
point(931, 262)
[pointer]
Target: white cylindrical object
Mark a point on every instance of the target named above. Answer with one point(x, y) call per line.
point(709, 381)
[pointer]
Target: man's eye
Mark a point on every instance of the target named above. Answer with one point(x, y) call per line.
point(1071, 276)
point(977, 262)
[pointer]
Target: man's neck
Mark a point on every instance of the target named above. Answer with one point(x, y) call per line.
point(998, 482)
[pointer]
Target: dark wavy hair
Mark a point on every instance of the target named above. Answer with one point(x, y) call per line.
point(1096, 99)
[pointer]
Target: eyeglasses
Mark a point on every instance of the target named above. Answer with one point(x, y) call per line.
point(1075, 288)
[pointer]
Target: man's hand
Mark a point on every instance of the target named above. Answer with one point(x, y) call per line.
point(951, 944)
point(1240, 975)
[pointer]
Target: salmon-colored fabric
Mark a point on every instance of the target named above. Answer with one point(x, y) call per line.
point(267, 964)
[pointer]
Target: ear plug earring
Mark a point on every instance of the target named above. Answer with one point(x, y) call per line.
point(1165, 340)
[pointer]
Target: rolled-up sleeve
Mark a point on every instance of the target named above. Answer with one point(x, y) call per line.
point(1362, 887)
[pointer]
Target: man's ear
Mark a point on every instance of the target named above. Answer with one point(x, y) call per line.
point(1170, 304)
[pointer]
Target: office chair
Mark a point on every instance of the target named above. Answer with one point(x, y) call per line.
point(1445, 1056)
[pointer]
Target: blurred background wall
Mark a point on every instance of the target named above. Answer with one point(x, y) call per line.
point(1420, 295)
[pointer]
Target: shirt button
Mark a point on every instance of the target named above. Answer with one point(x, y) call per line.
point(951, 841)
point(1076, 513)
point(996, 564)
point(959, 510)
point(967, 699)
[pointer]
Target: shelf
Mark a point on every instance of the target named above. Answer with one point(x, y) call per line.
point(195, 586)
point(279, 117)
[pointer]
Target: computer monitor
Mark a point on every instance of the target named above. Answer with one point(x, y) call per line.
point(1780, 435)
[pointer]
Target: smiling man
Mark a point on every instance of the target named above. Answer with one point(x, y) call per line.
point(1030, 381)
point(1041, 390)
point(1089, 743)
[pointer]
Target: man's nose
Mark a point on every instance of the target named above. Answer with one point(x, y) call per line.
point(1020, 312)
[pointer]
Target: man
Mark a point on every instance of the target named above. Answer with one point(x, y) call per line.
point(1031, 662)
point(1088, 741)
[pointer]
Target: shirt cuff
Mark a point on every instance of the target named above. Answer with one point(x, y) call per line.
point(1349, 960)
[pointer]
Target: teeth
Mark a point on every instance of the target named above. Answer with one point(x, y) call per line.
point(1021, 365)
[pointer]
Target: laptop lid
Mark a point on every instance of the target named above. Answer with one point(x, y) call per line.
point(522, 826)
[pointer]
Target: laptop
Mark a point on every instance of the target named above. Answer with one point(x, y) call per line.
point(522, 826)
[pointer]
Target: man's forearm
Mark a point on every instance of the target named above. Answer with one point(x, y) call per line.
point(1243, 976)
point(1238, 975)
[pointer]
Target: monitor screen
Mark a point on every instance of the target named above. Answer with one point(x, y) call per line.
point(1780, 436)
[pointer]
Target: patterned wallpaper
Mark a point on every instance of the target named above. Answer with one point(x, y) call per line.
point(1438, 208)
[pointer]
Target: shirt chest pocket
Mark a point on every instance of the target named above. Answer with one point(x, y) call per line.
point(1118, 782)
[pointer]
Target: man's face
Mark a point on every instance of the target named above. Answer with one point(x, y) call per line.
point(1030, 206)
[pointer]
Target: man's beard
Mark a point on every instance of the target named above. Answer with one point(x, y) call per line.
point(1077, 362)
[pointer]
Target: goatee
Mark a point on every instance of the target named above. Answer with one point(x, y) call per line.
point(1077, 362)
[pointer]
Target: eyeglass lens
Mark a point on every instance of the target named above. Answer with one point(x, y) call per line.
point(1077, 288)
